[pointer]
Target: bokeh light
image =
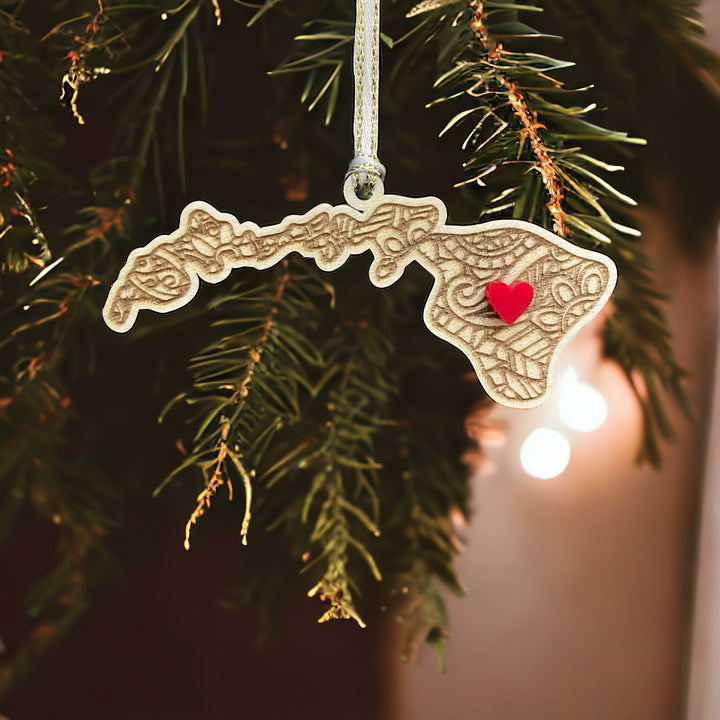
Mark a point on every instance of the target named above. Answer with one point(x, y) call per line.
point(580, 405)
point(545, 453)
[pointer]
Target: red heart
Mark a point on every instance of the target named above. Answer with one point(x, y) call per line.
point(509, 302)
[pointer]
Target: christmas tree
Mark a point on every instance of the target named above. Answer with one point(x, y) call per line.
point(310, 412)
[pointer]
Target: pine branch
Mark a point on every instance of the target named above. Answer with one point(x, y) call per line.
point(155, 47)
point(227, 424)
point(534, 150)
point(344, 469)
point(258, 400)
point(322, 52)
point(27, 148)
point(421, 530)
point(39, 470)
point(247, 386)
point(44, 312)
point(526, 140)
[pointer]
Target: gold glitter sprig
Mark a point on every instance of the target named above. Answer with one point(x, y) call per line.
point(239, 397)
point(79, 71)
point(531, 124)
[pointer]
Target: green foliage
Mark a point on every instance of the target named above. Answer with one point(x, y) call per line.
point(543, 161)
point(330, 50)
point(27, 148)
point(536, 154)
point(40, 471)
point(343, 490)
point(251, 378)
point(430, 540)
point(50, 304)
point(258, 389)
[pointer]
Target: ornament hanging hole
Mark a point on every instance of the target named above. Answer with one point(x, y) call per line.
point(361, 196)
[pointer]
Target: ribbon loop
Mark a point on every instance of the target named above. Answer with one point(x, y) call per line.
point(365, 167)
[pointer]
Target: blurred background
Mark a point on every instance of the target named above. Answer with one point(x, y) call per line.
point(595, 593)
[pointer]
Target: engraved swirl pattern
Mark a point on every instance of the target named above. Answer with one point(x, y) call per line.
point(514, 362)
point(516, 358)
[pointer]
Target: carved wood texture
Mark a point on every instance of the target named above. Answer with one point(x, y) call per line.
point(515, 363)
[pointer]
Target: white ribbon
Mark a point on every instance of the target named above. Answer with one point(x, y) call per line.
point(365, 167)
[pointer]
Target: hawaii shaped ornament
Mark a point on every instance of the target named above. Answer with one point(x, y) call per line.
point(512, 337)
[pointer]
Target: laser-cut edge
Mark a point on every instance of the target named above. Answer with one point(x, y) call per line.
point(411, 254)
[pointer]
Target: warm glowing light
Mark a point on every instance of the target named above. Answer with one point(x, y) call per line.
point(581, 406)
point(545, 453)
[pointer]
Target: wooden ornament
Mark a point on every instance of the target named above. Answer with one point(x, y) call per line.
point(514, 358)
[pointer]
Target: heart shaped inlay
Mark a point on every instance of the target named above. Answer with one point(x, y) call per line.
point(509, 301)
